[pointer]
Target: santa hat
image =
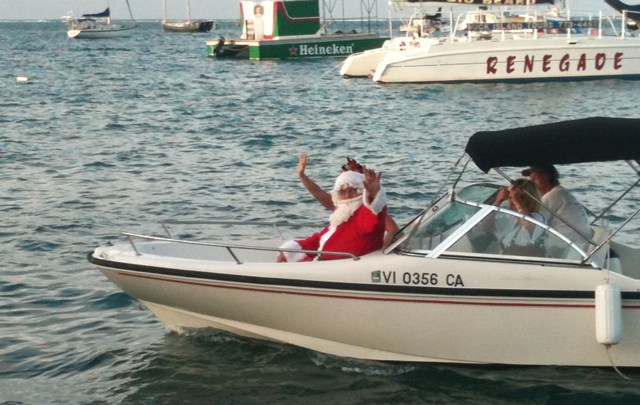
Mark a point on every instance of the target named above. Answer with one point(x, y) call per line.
point(350, 179)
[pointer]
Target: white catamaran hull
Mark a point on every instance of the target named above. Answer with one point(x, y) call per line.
point(364, 64)
point(542, 59)
point(383, 307)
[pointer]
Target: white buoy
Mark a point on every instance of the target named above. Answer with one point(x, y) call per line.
point(22, 79)
point(608, 314)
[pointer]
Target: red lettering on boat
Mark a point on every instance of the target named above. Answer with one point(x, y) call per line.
point(601, 58)
point(546, 60)
point(617, 60)
point(582, 62)
point(528, 63)
point(564, 63)
point(492, 61)
point(510, 63)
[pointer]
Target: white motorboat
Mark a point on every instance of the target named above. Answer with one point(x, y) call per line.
point(536, 49)
point(444, 291)
point(97, 26)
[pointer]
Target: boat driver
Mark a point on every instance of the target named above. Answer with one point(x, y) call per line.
point(562, 202)
point(356, 225)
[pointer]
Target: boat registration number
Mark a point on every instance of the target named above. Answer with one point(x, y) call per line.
point(416, 278)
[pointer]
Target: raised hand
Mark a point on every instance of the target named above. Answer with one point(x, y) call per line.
point(503, 195)
point(371, 181)
point(302, 164)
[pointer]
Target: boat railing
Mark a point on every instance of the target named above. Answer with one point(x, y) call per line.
point(275, 225)
point(540, 22)
point(231, 247)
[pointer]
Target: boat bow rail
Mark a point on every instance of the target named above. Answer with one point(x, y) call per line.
point(139, 249)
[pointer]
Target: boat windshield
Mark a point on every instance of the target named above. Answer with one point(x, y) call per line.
point(467, 223)
point(445, 217)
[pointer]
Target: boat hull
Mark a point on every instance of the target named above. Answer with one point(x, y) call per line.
point(387, 307)
point(100, 32)
point(188, 26)
point(364, 64)
point(295, 47)
point(526, 60)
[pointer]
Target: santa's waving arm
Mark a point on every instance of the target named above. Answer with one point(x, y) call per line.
point(371, 182)
point(374, 196)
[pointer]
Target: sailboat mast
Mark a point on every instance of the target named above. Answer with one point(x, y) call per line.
point(130, 13)
point(164, 11)
point(189, 11)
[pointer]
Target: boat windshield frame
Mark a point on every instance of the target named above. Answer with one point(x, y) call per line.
point(484, 208)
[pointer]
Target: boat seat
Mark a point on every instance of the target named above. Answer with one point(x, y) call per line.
point(605, 257)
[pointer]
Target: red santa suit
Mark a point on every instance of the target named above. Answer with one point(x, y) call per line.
point(357, 226)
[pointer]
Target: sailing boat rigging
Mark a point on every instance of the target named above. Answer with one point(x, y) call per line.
point(99, 25)
point(187, 25)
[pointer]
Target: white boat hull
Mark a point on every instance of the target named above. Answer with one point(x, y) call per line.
point(383, 307)
point(188, 26)
point(543, 59)
point(364, 64)
point(101, 32)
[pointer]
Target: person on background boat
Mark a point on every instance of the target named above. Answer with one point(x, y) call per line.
point(325, 198)
point(356, 225)
point(562, 202)
point(519, 236)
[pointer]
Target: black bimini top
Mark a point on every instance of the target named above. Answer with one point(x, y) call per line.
point(596, 139)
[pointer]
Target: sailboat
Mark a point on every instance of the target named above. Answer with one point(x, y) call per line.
point(187, 25)
point(99, 25)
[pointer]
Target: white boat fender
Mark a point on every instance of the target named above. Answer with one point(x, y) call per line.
point(608, 314)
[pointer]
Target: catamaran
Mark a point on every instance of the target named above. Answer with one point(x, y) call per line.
point(485, 46)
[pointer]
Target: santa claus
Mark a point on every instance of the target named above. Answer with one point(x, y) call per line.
point(356, 226)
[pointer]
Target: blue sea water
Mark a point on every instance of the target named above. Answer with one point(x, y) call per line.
point(116, 135)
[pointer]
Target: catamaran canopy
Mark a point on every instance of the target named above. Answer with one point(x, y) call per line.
point(105, 13)
point(596, 139)
point(620, 6)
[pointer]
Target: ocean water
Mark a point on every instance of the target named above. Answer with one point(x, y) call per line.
point(116, 135)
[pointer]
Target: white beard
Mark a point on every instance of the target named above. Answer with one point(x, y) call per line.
point(344, 210)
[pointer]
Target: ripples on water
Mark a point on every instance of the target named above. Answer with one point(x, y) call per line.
point(115, 135)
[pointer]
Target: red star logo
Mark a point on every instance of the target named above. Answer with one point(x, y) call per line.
point(293, 50)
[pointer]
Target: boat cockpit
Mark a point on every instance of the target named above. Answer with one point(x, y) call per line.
point(464, 223)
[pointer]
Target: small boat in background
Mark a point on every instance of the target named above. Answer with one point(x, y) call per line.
point(97, 26)
point(187, 25)
point(292, 29)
